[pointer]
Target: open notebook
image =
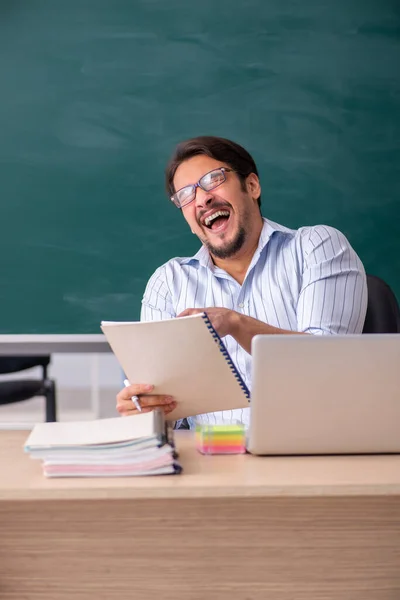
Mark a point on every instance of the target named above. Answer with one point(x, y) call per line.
point(184, 358)
point(121, 446)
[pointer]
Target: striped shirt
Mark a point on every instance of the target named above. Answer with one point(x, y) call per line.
point(307, 280)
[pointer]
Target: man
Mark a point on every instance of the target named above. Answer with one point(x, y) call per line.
point(251, 275)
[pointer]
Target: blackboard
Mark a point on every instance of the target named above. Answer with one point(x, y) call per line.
point(95, 94)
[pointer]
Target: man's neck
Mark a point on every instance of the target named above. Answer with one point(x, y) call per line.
point(238, 265)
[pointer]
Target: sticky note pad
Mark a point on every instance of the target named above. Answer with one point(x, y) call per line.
point(221, 439)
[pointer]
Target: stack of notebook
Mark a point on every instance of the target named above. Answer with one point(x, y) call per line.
point(117, 447)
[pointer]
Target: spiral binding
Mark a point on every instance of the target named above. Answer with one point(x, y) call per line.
point(227, 356)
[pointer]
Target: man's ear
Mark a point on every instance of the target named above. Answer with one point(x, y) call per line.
point(253, 186)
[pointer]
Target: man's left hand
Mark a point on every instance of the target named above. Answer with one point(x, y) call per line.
point(223, 320)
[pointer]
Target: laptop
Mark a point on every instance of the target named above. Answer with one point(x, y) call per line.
point(325, 394)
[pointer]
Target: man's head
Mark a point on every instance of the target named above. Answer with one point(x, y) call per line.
point(215, 183)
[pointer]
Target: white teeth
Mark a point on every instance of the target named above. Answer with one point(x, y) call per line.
point(219, 213)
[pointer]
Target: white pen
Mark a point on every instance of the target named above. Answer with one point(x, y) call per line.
point(135, 399)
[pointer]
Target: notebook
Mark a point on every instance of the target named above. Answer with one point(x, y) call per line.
point(121, 446)
point(182, 357)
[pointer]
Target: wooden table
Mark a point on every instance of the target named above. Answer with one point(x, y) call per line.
point(230, 527)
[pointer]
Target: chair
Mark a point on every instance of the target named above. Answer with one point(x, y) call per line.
point(24, 389)
point(383, 313)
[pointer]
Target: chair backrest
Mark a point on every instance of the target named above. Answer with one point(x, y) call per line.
point(383, 313)
point(12, 364)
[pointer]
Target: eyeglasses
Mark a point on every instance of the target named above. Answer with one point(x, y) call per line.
point(208, 182)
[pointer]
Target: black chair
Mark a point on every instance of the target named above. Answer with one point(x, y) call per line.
point(383, 313)
point(25, 389)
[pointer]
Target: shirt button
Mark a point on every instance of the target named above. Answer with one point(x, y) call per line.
point(241, 305)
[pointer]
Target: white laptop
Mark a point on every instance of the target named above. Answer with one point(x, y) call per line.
point(325, 394)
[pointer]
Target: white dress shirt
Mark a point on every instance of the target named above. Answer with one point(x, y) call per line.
point(308, 280)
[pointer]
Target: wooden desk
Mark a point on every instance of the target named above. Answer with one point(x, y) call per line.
point(236, 528)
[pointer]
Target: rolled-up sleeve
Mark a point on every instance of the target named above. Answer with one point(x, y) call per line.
point(333, 296)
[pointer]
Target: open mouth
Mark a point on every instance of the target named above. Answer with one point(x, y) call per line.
point(217, 221)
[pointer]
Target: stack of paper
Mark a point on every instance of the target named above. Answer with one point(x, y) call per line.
point(118, 447)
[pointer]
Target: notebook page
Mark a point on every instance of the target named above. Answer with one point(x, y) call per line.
point(99, 431)
point(181, 358)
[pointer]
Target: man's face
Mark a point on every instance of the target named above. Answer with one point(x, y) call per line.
point(225, 235)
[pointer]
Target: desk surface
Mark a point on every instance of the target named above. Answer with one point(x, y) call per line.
point(229, 527)
point(239, 476)
point(48, 344)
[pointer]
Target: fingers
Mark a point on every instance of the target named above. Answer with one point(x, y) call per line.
point(132, 410)
point(165, 403)
point(135, 390)
point(125, 405)
point(190, 311)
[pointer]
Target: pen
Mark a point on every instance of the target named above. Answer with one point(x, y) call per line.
point(135, 399)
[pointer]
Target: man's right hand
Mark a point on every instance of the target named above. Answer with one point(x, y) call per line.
point(148, 402)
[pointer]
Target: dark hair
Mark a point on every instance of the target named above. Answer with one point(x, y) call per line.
point(215, 147)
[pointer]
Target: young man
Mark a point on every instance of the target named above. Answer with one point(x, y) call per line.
point(251, 275)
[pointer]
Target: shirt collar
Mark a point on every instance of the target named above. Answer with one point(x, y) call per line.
point(269, 228)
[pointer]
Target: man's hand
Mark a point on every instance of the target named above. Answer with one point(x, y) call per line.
point(242, 327)
point(223, 320)
point(148, 402)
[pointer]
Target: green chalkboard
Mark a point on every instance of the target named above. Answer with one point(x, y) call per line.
point(95, 94)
